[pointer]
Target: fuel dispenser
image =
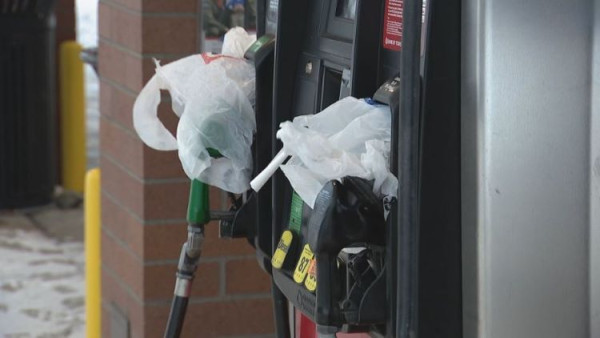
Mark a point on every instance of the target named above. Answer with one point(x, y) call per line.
point(404, 278)
point(328, 49)
point(331, 50)
point(343, 264)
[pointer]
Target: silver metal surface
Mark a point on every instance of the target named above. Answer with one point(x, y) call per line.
point(595, 180)
point(183, 287)
point(531, 188)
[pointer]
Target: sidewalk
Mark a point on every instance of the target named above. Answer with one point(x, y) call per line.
point(41, 251)
point(42, 281)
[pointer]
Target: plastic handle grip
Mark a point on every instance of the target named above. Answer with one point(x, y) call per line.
point(261, 179)
point(198, 204)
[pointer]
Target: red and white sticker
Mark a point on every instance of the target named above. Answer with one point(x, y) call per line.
point(210, 57)
point(392, 24)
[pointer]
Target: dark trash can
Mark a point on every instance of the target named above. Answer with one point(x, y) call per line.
point(27, 103)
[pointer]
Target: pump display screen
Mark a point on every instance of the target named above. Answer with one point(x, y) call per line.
point(346, 9)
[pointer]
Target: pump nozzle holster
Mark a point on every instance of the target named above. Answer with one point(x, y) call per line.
point(346, 213)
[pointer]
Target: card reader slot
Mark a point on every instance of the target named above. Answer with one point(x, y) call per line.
point(331, 87)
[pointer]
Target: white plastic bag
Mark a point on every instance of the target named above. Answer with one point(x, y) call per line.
point(349, 138)
point(236, 42)
point(220, 116)
point(214, 97)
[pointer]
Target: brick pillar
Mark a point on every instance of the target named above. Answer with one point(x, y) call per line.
point(64, 11)
point(65, 20)
point(144, 194)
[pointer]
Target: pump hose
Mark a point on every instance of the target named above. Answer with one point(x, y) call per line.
point(175, 323)
point(198, 214)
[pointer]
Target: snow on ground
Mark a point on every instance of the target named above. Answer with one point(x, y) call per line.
point(87, 22)
point(41, 286)
point(41, 279)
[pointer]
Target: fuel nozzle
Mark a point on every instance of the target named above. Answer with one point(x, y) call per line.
point(197, 216)
point(346, 213)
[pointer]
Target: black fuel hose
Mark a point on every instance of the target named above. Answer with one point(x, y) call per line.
point(175, 323)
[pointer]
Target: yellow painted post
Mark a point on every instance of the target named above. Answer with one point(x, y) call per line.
point(93, 307)
point(72, 125)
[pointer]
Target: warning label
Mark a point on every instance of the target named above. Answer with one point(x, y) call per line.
point(392, 24)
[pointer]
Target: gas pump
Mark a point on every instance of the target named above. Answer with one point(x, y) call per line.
point(343, 264)
point(335, 53)
point(404, 279)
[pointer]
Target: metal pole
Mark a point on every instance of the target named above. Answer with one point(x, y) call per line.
point(92, 254)
point(72, 118)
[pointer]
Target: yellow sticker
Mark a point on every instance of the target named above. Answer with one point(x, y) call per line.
point(302, 266)
point(311, 279)
point(282, 249)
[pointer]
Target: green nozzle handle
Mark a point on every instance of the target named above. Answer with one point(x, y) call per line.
point(198, 204)
point(214, 153)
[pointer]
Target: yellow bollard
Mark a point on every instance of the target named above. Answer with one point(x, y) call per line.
point(72, 125)
point(93, 306)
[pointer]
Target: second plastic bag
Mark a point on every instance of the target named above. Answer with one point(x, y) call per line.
point(349, 138)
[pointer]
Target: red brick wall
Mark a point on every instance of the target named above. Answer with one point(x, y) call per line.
point(64, 12)
point(65, 20)
point(144, 193)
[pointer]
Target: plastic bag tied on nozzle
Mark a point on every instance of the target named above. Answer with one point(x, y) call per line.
point(214, 97)
point(349, 138)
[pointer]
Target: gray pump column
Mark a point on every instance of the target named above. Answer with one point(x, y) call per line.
point(531, 168)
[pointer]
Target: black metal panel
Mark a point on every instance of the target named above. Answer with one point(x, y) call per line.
point(365, 52)
point(440, 282)
point(291, 29)
point(27, 96)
